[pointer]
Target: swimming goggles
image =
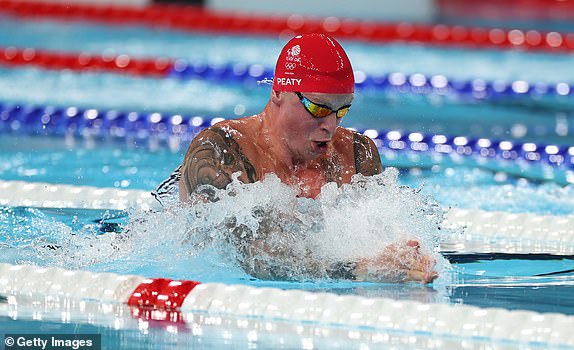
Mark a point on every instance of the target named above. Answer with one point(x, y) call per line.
point(321, 111)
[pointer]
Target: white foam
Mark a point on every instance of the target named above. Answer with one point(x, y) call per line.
point(265, 227)
point(262, 227)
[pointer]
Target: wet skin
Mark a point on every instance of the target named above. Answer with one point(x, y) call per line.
point(303, 151)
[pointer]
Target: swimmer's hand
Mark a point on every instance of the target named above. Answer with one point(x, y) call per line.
point(397, 263)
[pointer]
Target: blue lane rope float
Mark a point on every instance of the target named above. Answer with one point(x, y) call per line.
point(32, 119)
point(416, 83)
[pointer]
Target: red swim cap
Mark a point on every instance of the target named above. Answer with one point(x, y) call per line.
point(314, 63)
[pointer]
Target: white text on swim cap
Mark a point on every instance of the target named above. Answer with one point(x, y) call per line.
point(288, 81)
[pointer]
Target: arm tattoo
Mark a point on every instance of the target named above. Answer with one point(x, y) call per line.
point(212, 158)
point(367, 159)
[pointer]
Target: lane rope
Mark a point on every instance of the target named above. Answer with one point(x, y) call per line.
point(183, 69)
point(556, 161)
point(306, 308)
point(48, 195)
point(513, 10)
point(193, 18)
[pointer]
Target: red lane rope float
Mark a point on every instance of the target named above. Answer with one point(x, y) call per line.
point(161, 293)
point(198, 19)
point(158, 67)
point(508, 9)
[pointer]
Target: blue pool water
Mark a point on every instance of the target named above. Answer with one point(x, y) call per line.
point(507, 118)
point(156, 247)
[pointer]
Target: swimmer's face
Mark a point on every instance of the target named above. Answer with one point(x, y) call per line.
point(308, 137)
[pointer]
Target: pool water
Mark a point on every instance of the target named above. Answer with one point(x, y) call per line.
point(156, 245)
point(506, 117)
point(29, 230)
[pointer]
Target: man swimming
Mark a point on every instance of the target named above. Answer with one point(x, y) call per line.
point(297, 137)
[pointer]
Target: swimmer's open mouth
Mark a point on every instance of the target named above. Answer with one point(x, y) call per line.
point(322, 146)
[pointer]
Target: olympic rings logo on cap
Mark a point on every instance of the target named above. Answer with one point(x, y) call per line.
point(290, 65)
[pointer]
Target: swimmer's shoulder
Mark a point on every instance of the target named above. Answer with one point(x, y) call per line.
point(237, 129)
point(213, 156)
point(359, 148)
point(237, 135)
point(223, 132)
point(346, 140)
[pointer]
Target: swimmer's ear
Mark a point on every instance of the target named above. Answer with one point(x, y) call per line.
point(277, 97)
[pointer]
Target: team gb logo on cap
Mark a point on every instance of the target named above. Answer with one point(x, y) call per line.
point(291, 62)
point(293, 54)
point(295, 50)
point(293, 57)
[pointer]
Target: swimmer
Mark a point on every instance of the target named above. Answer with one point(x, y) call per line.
point(298, 138)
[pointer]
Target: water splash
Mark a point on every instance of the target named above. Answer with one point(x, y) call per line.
point(261, 229)
point(273, 234)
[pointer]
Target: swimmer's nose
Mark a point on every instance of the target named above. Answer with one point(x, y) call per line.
point(329, 124)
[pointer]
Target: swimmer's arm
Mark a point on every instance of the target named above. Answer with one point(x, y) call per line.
point(397, 263)
point(367, 159)
point(378, 270)
point(211, 159)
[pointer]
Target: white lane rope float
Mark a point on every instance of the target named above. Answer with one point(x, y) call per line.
point(308, 309)
point(483, 231)
point(47, 195)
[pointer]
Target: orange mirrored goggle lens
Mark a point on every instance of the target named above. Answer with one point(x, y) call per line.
point(321, 111)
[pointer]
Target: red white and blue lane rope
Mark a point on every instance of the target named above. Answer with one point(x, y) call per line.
point(194, 18)
point(186, 70)
point(173, 300)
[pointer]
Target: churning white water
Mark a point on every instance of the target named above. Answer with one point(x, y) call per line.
point(273, 234)
point(263, 230)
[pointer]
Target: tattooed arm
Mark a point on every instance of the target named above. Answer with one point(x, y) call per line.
point(367, 159)
point(211, 159)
